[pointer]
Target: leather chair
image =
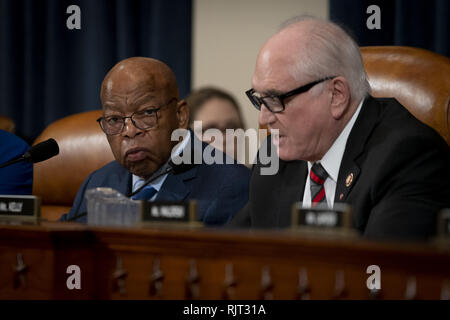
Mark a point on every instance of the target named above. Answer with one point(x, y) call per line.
point(419, 79)
point(7, 124)
point(83, 148)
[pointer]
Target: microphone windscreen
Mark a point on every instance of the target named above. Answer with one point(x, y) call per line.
point(42, 151)
point(180, 168)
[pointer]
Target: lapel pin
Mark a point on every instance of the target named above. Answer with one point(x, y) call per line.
point(349, 180)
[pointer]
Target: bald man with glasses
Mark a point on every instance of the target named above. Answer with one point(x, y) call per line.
point(141, 110)
point(336, 143)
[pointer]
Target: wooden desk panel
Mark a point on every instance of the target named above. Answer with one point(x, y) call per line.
point(49, 249)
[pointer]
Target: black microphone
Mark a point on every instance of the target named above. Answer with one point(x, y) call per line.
point(37, 153)
point(174, 168)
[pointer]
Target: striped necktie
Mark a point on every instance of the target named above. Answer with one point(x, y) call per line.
point(145, 194)
point(317, 176)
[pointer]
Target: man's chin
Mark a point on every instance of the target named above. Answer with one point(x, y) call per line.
point(285, 155)
point(141, 169)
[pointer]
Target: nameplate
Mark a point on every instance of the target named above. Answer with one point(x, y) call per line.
point(168, 212)
point(320, 217)
point(19, 208)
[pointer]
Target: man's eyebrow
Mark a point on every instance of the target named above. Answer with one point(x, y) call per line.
point(271, 92)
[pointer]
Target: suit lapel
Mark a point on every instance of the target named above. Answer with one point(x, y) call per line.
point(121, 180)
point(348, 174)
point(350, 168)
point(175, 187)
point(291, 189)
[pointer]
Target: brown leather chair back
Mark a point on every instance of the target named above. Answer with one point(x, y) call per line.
point(7, 124)
point(83, 148)
point(419, 79)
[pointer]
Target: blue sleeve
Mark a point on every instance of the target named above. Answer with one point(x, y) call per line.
point(17, 178)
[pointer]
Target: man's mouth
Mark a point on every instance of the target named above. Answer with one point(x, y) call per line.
point(136, 154)
point(278, 139)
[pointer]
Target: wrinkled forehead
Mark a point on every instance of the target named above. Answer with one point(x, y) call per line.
point(123, 81)
point(134, 88)
point(277, 64)
point(272, 74)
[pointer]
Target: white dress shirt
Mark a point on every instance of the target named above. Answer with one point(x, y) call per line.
point(331, 162)
point(157, 184)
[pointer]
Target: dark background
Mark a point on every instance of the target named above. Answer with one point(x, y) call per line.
point(416, 23)
point(48, 72)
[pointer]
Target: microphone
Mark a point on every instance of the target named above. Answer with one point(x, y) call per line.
point(37, 153)
point(174, 168)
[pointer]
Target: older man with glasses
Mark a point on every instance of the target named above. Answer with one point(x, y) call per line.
point(336, 143)
point(141, 110)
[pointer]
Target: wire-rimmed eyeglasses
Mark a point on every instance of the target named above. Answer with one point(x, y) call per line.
point(142, 119)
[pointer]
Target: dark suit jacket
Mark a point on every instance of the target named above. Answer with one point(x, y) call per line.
point(220, 190)
point(401, 177)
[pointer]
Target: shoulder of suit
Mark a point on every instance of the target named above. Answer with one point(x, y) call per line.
point(111, 167)
point(12, 143)
point(397, 122)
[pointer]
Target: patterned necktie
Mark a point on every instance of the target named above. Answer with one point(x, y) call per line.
point(145, 194)
point(317, 176)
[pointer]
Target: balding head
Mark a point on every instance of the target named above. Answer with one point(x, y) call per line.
point(142, 94)
point(135, 72)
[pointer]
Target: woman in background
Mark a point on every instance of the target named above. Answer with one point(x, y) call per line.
point(216, 109)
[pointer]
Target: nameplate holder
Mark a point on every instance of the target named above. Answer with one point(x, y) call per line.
point(20, 209)
point(322, 219)
point(167, 213)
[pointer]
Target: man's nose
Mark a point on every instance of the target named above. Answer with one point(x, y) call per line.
point(266, 117)
point(129, 129)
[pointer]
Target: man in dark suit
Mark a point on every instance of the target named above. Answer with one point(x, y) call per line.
point(338, 144)
point(141, 110)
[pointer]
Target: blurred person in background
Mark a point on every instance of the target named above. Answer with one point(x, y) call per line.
point(216, 109)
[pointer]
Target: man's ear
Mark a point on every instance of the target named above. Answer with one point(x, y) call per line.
point(182, 114)
point(340, 99)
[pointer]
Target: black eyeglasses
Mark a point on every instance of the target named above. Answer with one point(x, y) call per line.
point(275, 103)
point(143, 119)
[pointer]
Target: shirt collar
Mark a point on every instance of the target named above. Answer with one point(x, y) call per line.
point(157, 184)
point(332, 159)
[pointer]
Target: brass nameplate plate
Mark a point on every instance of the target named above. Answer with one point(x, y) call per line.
point(164, 212)
point(20, 208)
point(321, 218)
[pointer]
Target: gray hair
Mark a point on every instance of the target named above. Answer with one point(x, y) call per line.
point(331, 52)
